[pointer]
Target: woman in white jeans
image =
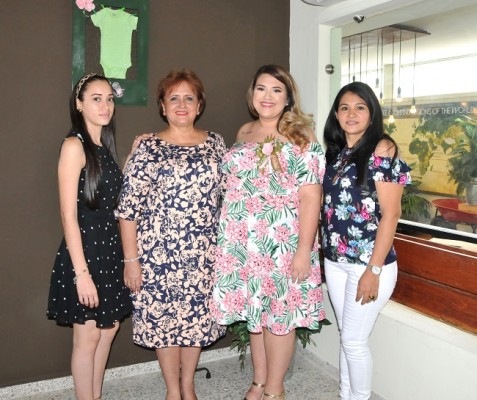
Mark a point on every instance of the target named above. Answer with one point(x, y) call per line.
point(362, 191)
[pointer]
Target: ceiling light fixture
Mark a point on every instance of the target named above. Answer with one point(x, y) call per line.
point(354, 63)
point(313, 2)
point(399, 98)
point(413, 109)
point(377, 65)
point(360, 56)
point(367, 53)
point(349, 61)
point(381, 94)
point(391, 115)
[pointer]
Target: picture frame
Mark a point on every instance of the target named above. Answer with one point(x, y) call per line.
point(86, 50)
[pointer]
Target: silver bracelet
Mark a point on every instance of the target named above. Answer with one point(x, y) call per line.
point(132, 259)
point(75, 279)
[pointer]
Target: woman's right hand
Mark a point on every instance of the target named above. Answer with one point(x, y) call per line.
point(87, 293)
point(133, 276)
point(301, 266)
point(138, 139)
point(135, 145)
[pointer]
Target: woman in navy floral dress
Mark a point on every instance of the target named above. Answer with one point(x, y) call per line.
point(168, 216)
point(362, 191)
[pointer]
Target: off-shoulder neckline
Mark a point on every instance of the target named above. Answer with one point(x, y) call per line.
point(202, 144)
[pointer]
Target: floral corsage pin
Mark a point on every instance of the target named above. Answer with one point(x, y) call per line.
point(269, 150)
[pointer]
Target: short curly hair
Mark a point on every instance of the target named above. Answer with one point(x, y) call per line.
point(175, 78)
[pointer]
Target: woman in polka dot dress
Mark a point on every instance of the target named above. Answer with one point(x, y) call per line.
point(87, 286)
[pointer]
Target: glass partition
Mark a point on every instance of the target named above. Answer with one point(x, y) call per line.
point(424, 72)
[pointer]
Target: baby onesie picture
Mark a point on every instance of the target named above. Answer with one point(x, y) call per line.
point(111, 37)
point(116, 29)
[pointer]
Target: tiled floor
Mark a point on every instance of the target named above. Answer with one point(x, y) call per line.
point(308, 379)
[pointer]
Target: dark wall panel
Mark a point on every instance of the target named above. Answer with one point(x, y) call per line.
point(223, 41)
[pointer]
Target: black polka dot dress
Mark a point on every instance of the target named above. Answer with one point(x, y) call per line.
point(103, 253)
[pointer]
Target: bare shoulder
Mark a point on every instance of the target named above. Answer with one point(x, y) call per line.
point(385, 148)
point(244, 131)
point(72, 152)
point(72, 145)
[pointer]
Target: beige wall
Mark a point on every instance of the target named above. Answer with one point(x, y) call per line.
point(223, 41)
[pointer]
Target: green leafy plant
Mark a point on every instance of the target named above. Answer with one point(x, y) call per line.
point(389, 128)
point(413, 205)
point(445, 132)
point(430, 135)
point(241, 340)
point(463, 163)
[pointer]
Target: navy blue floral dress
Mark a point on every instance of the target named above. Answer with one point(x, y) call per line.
point(351, 213)
point(173, 193)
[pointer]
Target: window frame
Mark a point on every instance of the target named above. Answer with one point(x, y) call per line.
point(135, 90)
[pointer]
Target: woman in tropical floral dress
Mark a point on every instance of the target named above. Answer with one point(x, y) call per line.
point(168, 214)
point(267, 264)
point(362, 192)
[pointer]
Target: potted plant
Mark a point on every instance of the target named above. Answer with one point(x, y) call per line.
point(241, 340)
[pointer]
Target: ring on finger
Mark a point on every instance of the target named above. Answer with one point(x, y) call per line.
point(372, 298)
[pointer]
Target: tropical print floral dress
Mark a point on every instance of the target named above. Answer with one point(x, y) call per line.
point(258, 236)
point(351, 213)
point(173, 193)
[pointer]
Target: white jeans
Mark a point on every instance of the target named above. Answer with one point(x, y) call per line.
point(355, 322)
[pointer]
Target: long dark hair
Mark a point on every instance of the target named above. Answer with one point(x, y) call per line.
point(293, 123)
point(335, 138)
point(108, 139)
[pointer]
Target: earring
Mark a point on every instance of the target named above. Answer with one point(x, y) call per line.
point(80, 110)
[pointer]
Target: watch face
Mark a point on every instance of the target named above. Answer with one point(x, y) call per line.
point(376, 270)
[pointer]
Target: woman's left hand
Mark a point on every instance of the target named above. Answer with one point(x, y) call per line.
point(301, 266)
point(368, 287)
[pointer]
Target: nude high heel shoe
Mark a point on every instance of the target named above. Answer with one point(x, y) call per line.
point(259, 385)
point(280, 396)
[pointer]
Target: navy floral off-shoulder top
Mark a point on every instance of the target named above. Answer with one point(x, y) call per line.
point(351, 213)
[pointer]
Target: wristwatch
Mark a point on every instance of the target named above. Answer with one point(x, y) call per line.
point(375, 269)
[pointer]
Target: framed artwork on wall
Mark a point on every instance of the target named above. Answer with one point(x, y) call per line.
point(112, 39)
